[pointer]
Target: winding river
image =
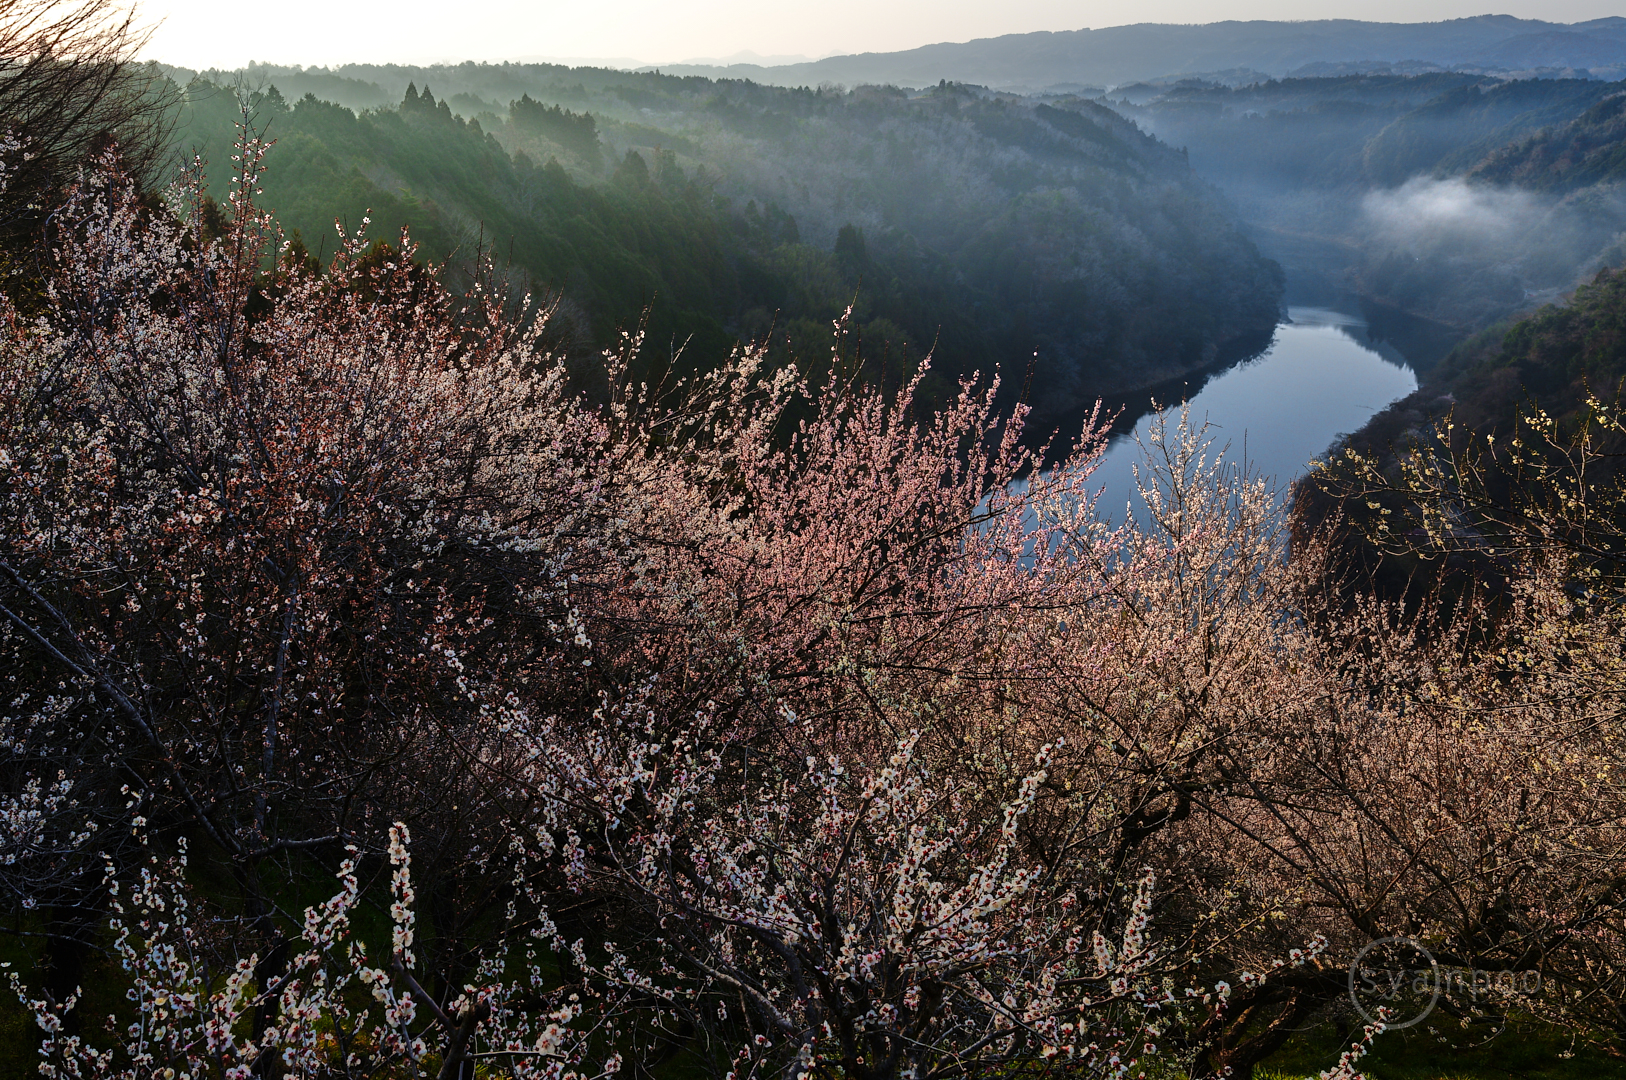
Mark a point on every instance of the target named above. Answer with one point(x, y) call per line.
point(1323, 376)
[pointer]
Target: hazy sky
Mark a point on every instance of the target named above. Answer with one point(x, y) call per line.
point(206, 33)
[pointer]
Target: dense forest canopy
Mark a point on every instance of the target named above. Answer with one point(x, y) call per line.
point(995, 232)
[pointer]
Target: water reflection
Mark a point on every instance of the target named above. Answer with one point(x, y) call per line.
point(1322, 376)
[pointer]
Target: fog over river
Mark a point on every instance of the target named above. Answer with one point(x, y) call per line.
point(1321, 377)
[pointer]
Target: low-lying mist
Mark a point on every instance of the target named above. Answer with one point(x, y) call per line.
point(1449, 195)
point(1427, 215)
point(1466, 252)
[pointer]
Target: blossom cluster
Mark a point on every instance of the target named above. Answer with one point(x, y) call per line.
point(761, 721)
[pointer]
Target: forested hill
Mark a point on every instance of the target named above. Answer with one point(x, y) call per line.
point(1590, 149)
point(1000, 231)
point(1376, 129)
point(1498, 424)
point(1458, 198)
point(1553, 357)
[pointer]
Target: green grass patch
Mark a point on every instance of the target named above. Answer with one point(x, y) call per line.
point(1523, 1048)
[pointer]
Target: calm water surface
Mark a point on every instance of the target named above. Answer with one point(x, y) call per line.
point(1322, 377)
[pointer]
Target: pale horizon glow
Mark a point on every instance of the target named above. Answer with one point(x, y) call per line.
point(196, 34)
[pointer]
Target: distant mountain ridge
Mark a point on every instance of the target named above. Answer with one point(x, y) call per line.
point(1118, 55)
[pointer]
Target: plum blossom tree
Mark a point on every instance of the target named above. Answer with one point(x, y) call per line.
point(69, 83)
point(787, 726)
point(333, 1012)
point(246, 539)
point(1488, 771)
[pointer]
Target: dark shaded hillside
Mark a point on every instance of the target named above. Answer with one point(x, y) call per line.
point(1590, 149)
point(1553, 357)
point(999, 231)
point(641, 239)
point(1472, 209)
point(1455, 130)
point(1546, 363)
